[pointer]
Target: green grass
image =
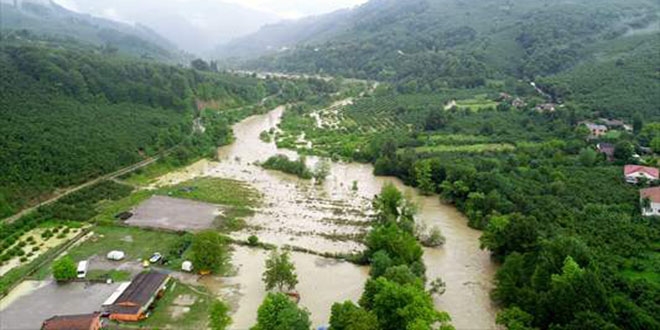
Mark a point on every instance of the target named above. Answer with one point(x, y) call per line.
point(472, 148)
point(141, 245)
point(148, 174)
point(115, 275)
point(216, 191)
point(476, 103)
point(109, 209)
point(454, 139)
point(196, 318)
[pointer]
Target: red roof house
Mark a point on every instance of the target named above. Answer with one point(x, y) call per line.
point(634, 173)
point(133, 304)
point(650, 199)
point(73, 322)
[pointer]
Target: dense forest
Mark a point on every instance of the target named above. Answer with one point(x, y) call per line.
point(575, 251)
point(431, 45)
point(69, 115)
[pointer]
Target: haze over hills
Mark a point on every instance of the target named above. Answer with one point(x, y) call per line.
point(195, 26)
point(426, 45)
point(48, 18)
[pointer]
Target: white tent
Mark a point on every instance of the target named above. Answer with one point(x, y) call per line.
point(187, 266)
point(116, 255)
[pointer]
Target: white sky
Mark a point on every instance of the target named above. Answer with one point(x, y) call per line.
point(282, 8)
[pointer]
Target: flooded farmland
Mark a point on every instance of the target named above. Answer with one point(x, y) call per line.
point(329, 218)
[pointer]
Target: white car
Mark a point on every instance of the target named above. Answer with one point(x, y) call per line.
point(155, 258)
point(82, 269)
point(116, 255)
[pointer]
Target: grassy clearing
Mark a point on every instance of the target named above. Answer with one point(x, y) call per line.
point(109, 209)
point(176, 310)
point(476, 103)
point(473, 148)
point(148, 174)
point(136, 243)
point(455, 139)
point(114, 275)
point(216, 191)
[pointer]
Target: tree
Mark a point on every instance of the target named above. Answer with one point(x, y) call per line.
point(623, 151)
point(423, 175)
point(348, 316)
point(321, 171)
point(638, 123)
point(220, 318)
point(280, 272)
point(209, 252)
point(401, 306)
point(655, 144)
point(510, 233)
point(278, 312)
point(588, 157)
point(401, 246)
point(515, 318)
point(200, 64)
point(64, 269)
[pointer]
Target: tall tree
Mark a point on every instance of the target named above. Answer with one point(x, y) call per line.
point(209, 252)
point(280, 272)
point(278, 312)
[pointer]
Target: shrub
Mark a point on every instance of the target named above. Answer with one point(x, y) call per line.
point(220, 318)
point(23, 259)
point(35, 248)
point(21, 244)
point(64, 269)
point(284, 164)
point(253, 240)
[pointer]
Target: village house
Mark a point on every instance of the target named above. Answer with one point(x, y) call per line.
point(634, 173)
point(607, 149)
point(650, 199)
point(595, 130)
point(518, 103)
point(73, 322)
point(133, 303)
point(546, 107)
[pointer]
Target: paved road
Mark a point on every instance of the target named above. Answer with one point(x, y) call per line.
point(41, 300)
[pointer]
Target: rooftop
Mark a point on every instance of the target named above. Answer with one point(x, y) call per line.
point(631, 169)
point(653, 194)
point(142, 289)
point(71, 322)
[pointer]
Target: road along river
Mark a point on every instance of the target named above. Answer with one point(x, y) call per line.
point(328, 218)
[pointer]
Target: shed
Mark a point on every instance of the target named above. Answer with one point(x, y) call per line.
point(135, 300)
point(73, 322)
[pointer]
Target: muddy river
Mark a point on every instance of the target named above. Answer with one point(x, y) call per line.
point(327, 218)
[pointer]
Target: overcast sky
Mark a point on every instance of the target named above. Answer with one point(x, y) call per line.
point(200, 25)
point(281, 8)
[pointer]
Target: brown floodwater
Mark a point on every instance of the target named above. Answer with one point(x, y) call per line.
point(322, 218)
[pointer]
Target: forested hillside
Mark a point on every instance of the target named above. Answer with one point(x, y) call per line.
point(429, 45)
point(49, 19)
point(70, 114)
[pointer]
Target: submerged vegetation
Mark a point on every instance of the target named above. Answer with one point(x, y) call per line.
point(397, 284)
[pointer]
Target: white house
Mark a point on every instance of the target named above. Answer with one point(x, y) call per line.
point(650, 199)
point(634, 173)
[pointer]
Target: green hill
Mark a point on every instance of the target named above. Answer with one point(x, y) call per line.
point(46, 18)
point(68, 114)
point(430, 45)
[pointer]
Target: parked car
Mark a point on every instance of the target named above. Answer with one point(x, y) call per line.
point(155, 258)
point(82, 269)
point(116, 255)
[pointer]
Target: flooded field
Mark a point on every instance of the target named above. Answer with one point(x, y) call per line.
point(322, 282)
point(328, 218)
